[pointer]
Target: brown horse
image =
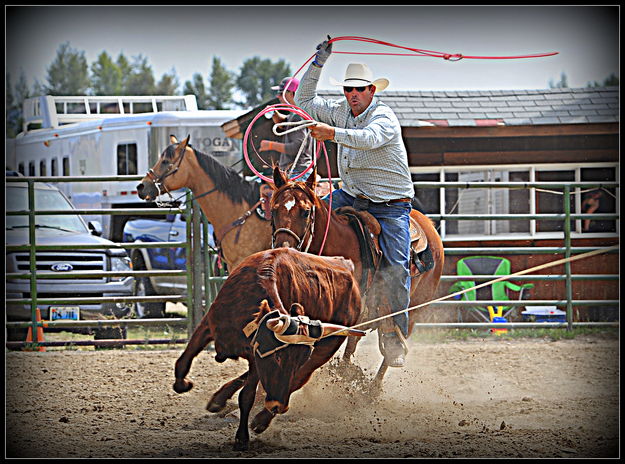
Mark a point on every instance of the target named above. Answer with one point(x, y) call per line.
point(227, 200)
point(299, 218)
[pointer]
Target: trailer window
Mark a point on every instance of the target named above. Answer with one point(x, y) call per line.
point(127, 159)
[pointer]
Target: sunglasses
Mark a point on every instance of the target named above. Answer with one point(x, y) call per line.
point(358, 89)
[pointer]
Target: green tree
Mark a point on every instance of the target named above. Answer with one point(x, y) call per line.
point(256, 78)
point(611, 81)
point(141, 78)
point(106, 77)
point(562, 84)
point(15, 97)
point(11, 110)
point(68, 74)
point(125, 69)
point(168, 85)
point(196, 87)
point(221, 85)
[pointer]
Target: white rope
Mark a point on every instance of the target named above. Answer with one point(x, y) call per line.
point(299, 126)
point(485, 284)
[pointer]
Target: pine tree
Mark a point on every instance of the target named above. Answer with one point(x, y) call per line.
point(106, 77)
point(68, 73)
point(196, 87)
point(168, 85)
point(221, 85)
point(256, 78)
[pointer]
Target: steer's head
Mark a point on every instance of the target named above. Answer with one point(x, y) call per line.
point(278, 371)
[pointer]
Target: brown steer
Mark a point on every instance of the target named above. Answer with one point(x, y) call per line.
point(321, 288)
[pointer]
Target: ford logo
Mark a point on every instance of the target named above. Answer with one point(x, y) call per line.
point(62, 267)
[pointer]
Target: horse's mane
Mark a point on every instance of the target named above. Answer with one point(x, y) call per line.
point(227, 180)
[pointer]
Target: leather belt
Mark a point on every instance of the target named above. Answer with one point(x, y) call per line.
point(397, 200)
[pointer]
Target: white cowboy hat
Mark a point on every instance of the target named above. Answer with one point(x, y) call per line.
point(359, 75)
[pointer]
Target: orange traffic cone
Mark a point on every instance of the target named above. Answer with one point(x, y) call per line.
point(29, 335)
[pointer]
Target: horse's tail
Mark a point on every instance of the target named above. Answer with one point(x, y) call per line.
point(201, 337)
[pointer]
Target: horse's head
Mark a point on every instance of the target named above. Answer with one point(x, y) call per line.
point(169, 173)
point(293, 207)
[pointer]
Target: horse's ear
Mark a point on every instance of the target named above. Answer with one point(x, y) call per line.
point(173, 139)
point(311, 182)
point(185, 142)
point(279, 178)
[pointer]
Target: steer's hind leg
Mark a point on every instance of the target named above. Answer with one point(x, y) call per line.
point(246, 401)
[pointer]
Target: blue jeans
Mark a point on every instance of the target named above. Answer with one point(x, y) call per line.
point(394, 219)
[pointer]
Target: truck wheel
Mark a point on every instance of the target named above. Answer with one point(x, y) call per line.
point(110, 333)
point(143, 287)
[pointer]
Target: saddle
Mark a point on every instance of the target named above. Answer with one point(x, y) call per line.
point(368, 230)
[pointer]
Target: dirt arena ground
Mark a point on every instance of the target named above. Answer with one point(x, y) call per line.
point(479, 398)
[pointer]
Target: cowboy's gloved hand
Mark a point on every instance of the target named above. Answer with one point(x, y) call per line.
point(324, 49)
point(322, 132)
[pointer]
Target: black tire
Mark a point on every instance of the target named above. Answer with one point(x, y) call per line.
point(110, 333)
point(17, 335)
point(143, 287)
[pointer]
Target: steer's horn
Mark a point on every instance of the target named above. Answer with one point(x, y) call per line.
point(340, 330)
point(279, 324)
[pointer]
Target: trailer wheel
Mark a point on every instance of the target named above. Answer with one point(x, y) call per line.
point(143, 287)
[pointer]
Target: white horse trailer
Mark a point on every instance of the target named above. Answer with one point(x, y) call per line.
point(109, 136)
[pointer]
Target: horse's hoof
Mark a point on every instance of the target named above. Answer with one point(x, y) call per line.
point(214, 406)
point(261, 421)
point(241, 446)
point(182, 386)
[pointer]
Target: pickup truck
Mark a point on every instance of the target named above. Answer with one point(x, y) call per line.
point(170, 228)
point(65, 231)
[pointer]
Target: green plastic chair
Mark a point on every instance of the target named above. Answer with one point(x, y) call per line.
point(486, 265)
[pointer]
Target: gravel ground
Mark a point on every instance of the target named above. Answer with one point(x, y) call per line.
point(517, 398)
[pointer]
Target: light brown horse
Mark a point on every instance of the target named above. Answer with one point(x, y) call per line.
point(299, 218)
point(227, 200)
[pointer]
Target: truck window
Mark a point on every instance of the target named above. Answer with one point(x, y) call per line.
point(127, 159)
point(66, 166)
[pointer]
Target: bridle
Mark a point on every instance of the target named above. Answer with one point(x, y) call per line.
point(158, 180)
point(308, 230)
point(161, 188)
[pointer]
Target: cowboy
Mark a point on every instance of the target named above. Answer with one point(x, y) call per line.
point(373, 166)
point(294, 158)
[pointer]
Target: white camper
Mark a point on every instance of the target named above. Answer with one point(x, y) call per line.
point(110, 136)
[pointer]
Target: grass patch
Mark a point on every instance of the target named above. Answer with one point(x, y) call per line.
point(442, 335)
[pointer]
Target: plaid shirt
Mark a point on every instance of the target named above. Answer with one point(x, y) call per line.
point(371, 156)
